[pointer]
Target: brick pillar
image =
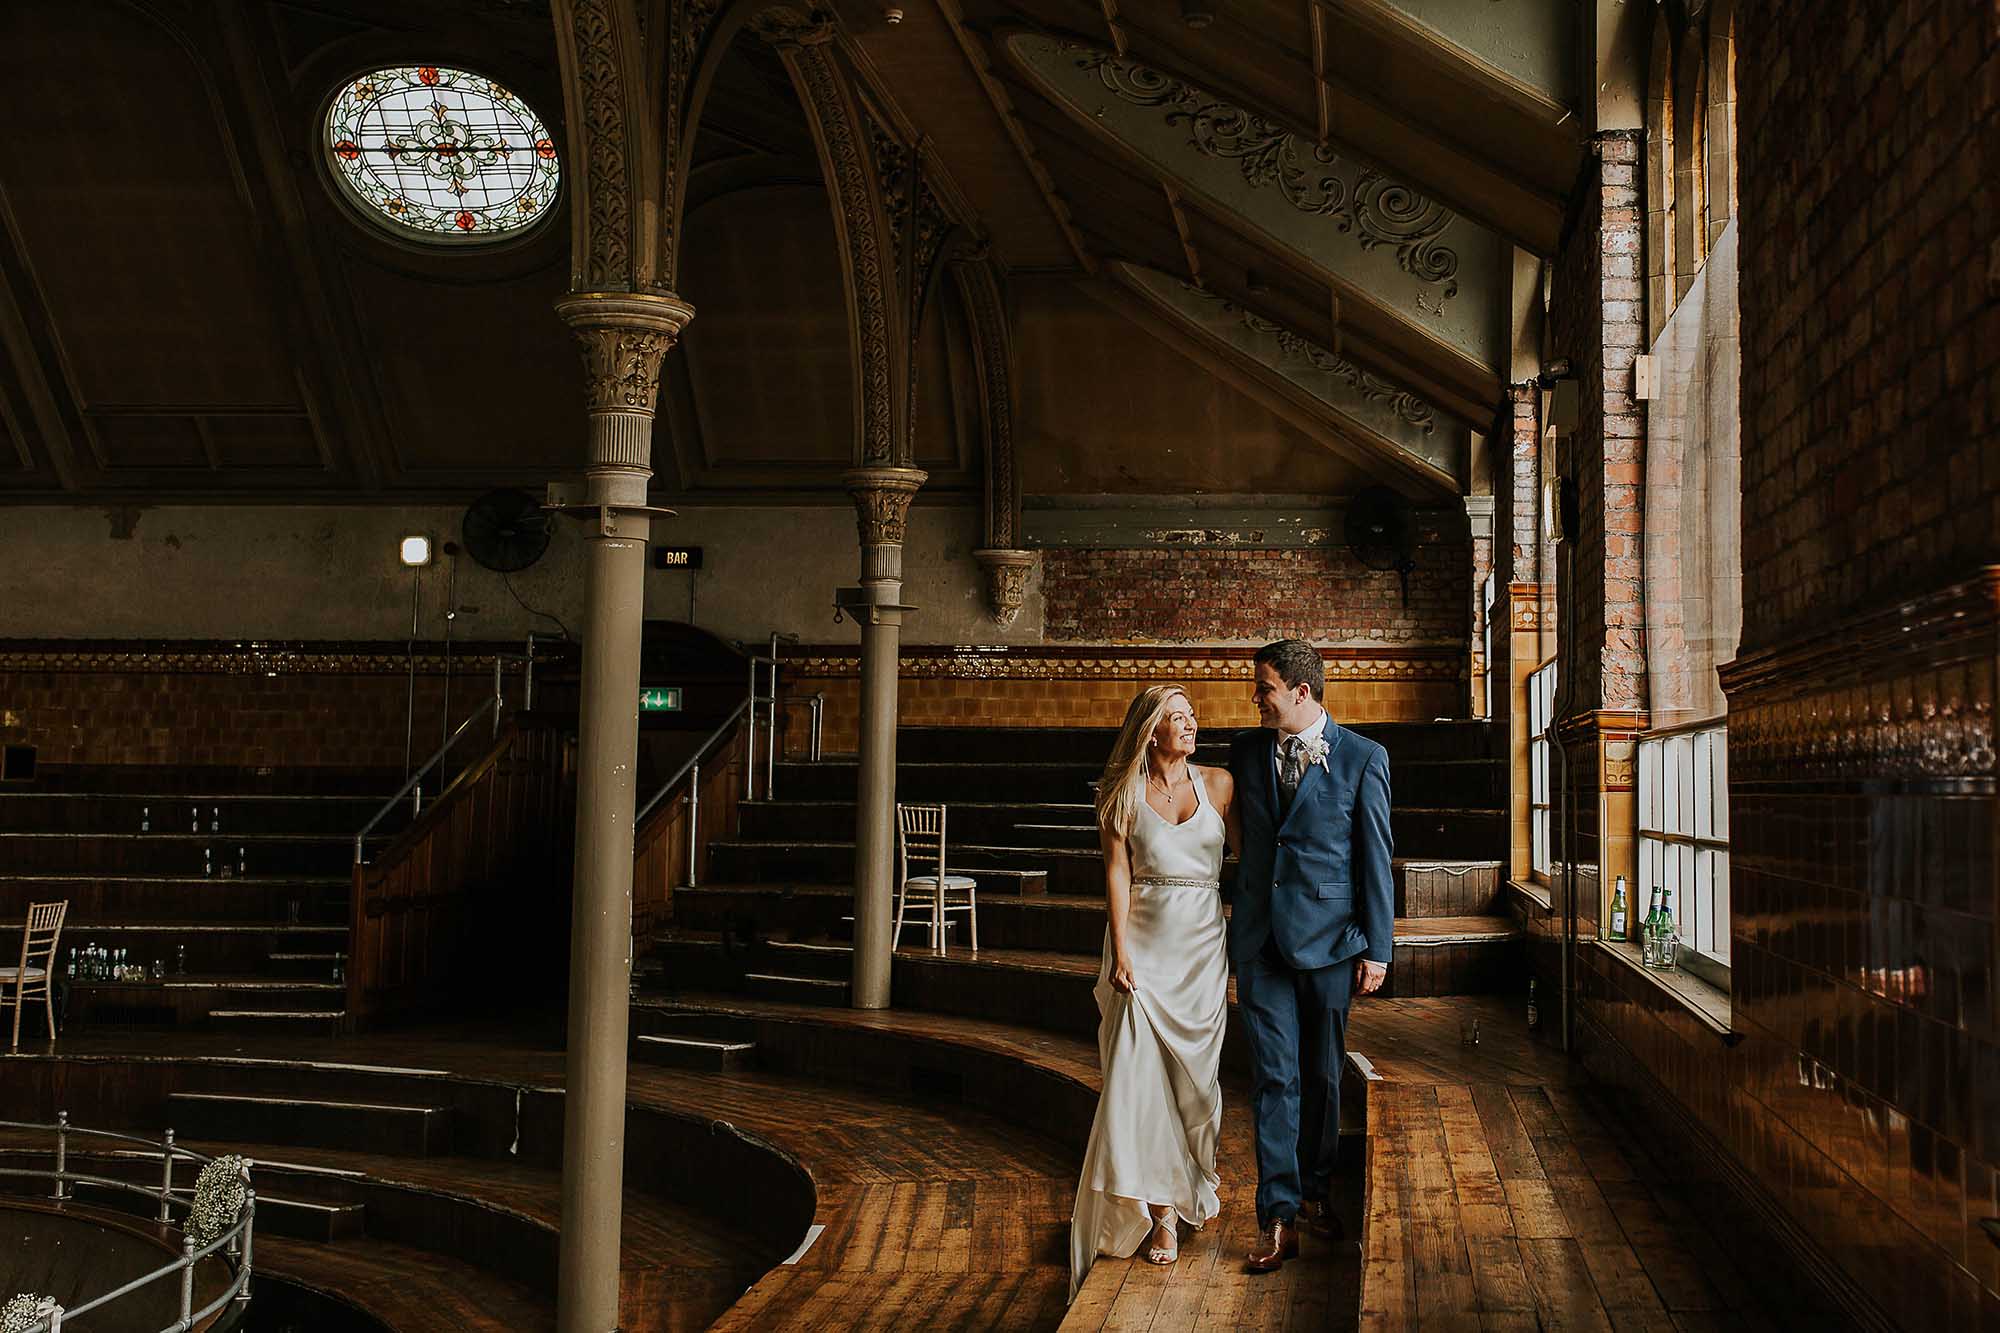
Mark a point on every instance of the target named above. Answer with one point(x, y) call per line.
point(1518, 607)
point(1597, 321)
point(1482, 702)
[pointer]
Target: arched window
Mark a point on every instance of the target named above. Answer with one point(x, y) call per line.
point(1720, 131)
point(1660, 292)
point(1690, 122)
point(440, 154)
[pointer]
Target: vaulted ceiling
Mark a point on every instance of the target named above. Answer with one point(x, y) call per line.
point(1313, 210)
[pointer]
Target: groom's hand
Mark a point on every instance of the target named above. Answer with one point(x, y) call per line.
point(1368, 977)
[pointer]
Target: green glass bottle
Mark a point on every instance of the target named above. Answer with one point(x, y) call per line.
point(1618, 911)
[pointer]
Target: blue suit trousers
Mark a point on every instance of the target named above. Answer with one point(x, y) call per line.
point(1297, 1023)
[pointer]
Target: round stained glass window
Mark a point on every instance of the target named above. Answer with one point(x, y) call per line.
point(442, 153)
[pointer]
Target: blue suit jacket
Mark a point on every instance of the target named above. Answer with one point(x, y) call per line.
point(1317, 879)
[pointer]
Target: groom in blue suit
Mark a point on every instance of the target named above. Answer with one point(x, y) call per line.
point(1312, 922)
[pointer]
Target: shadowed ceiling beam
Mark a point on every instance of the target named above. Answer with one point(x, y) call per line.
point(1290, 397)
point(1003, 106)
point(1181, 226)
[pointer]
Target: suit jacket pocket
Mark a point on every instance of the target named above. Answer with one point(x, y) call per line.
point(1335, 889)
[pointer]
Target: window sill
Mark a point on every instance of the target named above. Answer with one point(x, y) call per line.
point(1709, 1004)
point(1534, 893)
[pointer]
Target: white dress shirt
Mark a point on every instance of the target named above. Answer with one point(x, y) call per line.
point(1309, 735)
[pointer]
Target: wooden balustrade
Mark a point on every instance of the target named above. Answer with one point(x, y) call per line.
point(660, 846)
point(484, 871)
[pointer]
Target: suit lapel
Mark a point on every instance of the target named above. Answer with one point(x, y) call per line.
point(1270, 751)
point(1310, 778)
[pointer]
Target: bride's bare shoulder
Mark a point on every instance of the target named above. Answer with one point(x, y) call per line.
point(1217, 779)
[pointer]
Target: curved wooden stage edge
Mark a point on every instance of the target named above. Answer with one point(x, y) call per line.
point(905, 1170)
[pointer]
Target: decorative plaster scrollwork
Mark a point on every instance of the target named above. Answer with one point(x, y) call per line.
point(1006, 581)
point(621, 367)
point(689, 22)
point(607, 184)
point(882, 498)
point(804, 42)
point(1373, 388)
point(893, 165)
point(1377, 211)
point(988, 317)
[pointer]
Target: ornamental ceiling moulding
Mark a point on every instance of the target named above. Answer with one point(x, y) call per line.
point(1402, 421)
point(893, 168)
point(1418, 260)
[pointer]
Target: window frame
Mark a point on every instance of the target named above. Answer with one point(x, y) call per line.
point(1680, 844)
point(1541, 740)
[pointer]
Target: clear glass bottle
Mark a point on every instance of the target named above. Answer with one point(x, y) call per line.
point(1649, 930)
point(1669, 948)
point(1618, 911)
point(145, 819)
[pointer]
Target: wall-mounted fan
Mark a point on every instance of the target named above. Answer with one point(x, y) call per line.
point(1380, 534)
point(506, 530)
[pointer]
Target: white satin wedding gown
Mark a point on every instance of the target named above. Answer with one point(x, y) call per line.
point(1160, 1048)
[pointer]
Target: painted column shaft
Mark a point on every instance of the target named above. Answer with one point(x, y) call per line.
point(623, 338)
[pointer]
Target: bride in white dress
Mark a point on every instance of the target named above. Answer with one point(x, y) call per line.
point(1161, 993)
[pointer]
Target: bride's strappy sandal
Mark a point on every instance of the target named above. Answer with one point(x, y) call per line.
point(1164, 1255)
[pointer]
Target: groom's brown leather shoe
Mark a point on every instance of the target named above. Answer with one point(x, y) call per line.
point(1317, 1217)
point(1276, 1242)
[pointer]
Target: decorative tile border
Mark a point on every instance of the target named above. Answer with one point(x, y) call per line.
point(1904, 693)
point(253, 657)
point(1426, 664)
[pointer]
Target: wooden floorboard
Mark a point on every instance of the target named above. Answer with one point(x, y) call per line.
point(1494, 1192)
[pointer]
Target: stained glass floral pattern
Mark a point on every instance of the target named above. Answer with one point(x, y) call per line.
point(444, 153)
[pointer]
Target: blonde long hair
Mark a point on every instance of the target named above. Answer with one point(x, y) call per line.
point(1123, 785)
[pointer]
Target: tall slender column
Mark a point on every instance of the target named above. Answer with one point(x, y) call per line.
point(623, 337)
point(882, 498)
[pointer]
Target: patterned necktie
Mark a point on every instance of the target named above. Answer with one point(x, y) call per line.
point(1291, 767)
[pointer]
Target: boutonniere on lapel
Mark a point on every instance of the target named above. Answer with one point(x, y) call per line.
point(1316, 752)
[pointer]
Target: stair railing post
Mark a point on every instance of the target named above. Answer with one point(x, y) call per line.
point(750, 761)
point(62, 1156)
point(694, 821)
point(187, 1283)
point(249, 1231)
point(166, 1175)
point(499, 694)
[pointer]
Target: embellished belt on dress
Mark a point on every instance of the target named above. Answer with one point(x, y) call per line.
point(1170, 882)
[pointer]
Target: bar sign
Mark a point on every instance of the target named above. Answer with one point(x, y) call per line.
point(676, 557)
point(660, 699)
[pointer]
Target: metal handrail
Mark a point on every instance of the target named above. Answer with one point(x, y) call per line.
point(693, 767)
point(494, 706)
point(415, 784)
point(237, 1240)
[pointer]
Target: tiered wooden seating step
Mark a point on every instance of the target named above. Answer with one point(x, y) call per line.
point(403, 1287)
point(420, 1131)
point(197, 999)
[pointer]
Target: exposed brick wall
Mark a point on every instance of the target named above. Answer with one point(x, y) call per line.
point(1597, 319)
point(1222, 596)
point(1870, 149)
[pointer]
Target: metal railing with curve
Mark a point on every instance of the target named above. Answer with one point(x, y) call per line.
point(235, 1243)
point(494, 709)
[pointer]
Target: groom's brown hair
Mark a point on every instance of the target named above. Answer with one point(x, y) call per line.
point(1297, 663)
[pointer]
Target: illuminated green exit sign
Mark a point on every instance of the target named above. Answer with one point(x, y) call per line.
point(660, 699)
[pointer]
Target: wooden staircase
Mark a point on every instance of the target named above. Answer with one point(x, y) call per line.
point(774, 919)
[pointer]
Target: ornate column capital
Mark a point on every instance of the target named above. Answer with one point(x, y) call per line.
point(623, 337)
point(882, 498)
point(1006, 580)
